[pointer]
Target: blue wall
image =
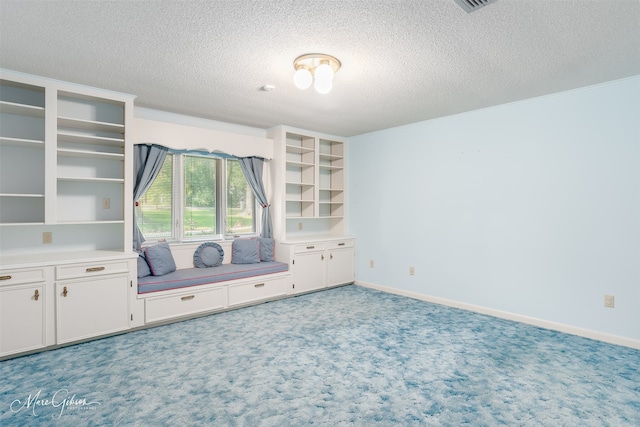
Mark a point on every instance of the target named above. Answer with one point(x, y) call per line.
point(530, 208)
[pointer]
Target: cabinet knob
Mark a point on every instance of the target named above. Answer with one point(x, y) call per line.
point(36, 295)
point(322, 257)
point(64, 292)
point(330, 256)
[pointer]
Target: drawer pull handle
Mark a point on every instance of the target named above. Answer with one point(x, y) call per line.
point(64, 292)
point(5, 277)
point(340, 244)
point(311, 247)
point(94, 269)
point(187, 298)
point(36, 295)
point(258, 285)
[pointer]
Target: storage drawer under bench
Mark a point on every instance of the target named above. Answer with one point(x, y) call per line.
point(245, 293)
point(184, 304)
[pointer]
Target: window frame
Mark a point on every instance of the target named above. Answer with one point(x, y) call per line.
point(178, 201)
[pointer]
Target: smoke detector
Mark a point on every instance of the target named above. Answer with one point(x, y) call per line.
point(473, 5)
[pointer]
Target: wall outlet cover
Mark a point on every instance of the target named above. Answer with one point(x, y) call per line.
point(609, 301)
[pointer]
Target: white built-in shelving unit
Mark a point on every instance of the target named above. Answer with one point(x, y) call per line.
point(331, 179)
point(65, 160)
point(309, 183)
point(309, 216)
point(90, 159)
point(67, 268)
point(22, 153)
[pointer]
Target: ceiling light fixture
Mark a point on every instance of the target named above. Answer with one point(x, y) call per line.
point(316, 68)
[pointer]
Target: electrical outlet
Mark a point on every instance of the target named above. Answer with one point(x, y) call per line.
point(47, 237)
point(106, 203)
point(371, 263)
point(609, 301)
point(412, 271)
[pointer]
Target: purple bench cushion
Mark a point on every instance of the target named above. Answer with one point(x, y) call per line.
point(183, 278)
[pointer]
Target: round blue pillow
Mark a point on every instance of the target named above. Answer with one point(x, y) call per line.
point(208, 254)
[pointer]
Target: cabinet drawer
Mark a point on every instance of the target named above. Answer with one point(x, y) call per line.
point(340, 244)
point(308, 247)
point(162, 308)
point(15, 277)
point(249, 292)
point(91, 269)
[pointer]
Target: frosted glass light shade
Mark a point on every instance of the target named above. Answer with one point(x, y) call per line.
point(323, 72)
point(323, 78)
point(323, 86)
point(302, 78)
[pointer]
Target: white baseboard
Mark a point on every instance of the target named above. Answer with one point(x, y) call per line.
point(600, 336)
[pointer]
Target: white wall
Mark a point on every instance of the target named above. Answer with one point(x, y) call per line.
point(191, 133)
point(530, 208)
point(181, 119)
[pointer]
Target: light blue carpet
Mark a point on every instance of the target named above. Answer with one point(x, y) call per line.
point(347, 356)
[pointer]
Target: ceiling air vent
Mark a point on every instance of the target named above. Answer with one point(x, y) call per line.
point(472, 5)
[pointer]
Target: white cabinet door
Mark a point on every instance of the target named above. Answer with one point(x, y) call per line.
point(308, 271)
point(92, 307)
point(340, 266)
point(22, 318)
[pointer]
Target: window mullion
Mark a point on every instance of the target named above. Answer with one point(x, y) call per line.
point(221, 197)
point(178, 199)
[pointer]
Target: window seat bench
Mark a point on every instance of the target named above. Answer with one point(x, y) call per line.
point(190, 292)
point(188, 277)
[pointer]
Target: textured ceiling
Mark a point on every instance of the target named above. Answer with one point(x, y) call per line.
point(402, 61)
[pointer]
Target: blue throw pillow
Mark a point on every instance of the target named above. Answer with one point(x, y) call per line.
point(143, 267)
point(267, 248)
point(245, 251)
point(208, 254)
point(160, 259)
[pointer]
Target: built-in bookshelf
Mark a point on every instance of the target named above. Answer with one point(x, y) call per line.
point(65, 159)
point(309, 168)
point(90, 159)
point(22, 153)
point(300, 175)
point(331, 179)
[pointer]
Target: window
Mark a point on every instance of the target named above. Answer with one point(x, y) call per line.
point(200, 191)
point(154, 211)
point(197, 197)
point(240, 201)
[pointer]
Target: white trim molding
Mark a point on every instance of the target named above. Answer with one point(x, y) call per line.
point(560, 327)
